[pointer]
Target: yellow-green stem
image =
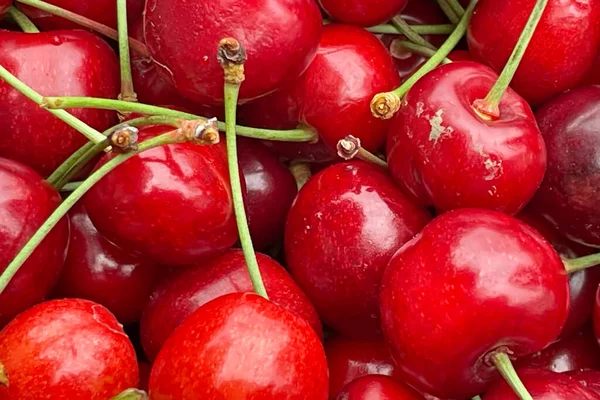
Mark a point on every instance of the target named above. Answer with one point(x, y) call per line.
point(444, 29)
point(127, 92)
point(410, 34)
point(507, 370)
point(22, 20)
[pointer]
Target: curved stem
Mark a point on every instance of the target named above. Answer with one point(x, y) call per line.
point(410, 34)
point(452, 16)
point(581, 263)
point(132, 394)
point(444, 29)
point(507, 370)
point(22, 20)
point(127, 92)
point(79, 164)
point(404, 45)
point(301, 172)
point(456, 7)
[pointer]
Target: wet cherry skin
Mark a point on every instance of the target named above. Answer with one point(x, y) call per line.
point(183, 293)
point(66, 349)
point(362, 12)
point(241, 346)
point(566, 27)
point(444, 154)
point(378, 387)
point(26, 201)
point(97, 270)
point(470, 283)
point(353, 206)
point(75, 63)
point(587, 378)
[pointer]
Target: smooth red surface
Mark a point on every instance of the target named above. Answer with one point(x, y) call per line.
point(4, 5)
point(378, 387)
point(241, 346)
point(567, 197)
point(145, 369)
point(280, 39)
point(180, 295)
point(172, 204)
point(566, 27)
point(444, 155)
point(596, 316)
point(66, 349)
point(362, 12)
point(61, 63)
point(593, 75)
point(471, 283)
point(342, 230)
point(99, 271)
point(589, 379)
point(26, 201)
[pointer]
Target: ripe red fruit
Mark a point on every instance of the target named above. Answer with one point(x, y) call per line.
point(589, 379)
point(241, 346)
point(593, 75)
point(382, 387)
point(65, 349)
point(596, 316)
point(501, 162)
point(74, 63)
point(26, 201)
point(566, 27)
point(472, 283)
point(4, 5)
point(362, 12)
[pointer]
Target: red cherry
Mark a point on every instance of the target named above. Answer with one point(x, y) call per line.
point(98, 270)
point(342, 230)
point(501, 162)
point(74, 63)
point(145, 369)
point(589, 379)
point(66, 349)
point(567, 197)
point(180, 295)
point(566, 27)
point(380, 387)
point(596, 316)
point(363, 12)
point(241, 346)
point(4, 5)
point(593, 75)
point(472, 283)
point(26, 201)
point(171, 204)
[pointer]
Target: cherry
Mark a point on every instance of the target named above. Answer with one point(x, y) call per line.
point(589, 379)
point(98, 270)
point(363, 12)
point(596, 316)
point(567, 196)
point(241, 346)
point(472, 284)
point(65, 349)
point(501, 161)
point(566, 27)
point(75, 63)
point(4, 5)
point(356, 207)
point(145, 369)
point(171, 204)
point(593, 75)
point(180, 295)
point(25, 203)
point(377, 387)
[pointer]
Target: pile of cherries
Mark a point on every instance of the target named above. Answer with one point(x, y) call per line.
point(415, 218)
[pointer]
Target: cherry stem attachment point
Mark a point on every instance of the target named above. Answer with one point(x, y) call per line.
point(402, 46)
point(581, 263)
point(350, 147)
point(22, 20)
point(301, 172)
point(476, 398)
point(444, 29)
point(127, 92)
point(131, 394)
point(410, 34)
point(504, 365)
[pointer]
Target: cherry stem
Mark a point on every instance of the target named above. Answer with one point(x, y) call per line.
point(232, 57)
point(410, 34)
point(301, 172)
point(22, 20)
point(127, 92)
point(476, 398)
point(415, 49)
point(444, 29)
point(581, 263)
point(449, 11)
point(301, 134)
point(71, 186)
point(135, 44)
point(132, 394)
point(3, 376)
point(489, 105)
point(507, 370)
point(456, 7)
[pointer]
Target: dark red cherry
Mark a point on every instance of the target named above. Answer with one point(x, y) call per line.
point(593, 75)
point(587, 378)
point(566, 27)
point(241, 346)
point(99, 271)
point(66, 349)
point(596, 316)
point(171, 204)
point(4, 5)
point(74, 63)
point(26, 201)
point(342, 230)
point(567, 197)
point(362, 12)
point(472, 283)
point(501, 162)
point(145, 369)
point(378, 387)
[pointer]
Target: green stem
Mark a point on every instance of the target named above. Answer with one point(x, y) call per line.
point(581, 263)
point(404, 45)
point(476, 398)
point(71, 186)
point(452, 16)
point(127, 92)
point(302, 134)
point(410, 34)
point(506, 369)
point(456, 7)
point(79, 164)
point(445, 29)
point(369, 157)
point(301, 172)
point(22, 20)
point(132, 394)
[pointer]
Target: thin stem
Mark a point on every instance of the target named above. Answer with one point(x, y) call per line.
point(452, 16)
point(301, 172)
point(22, 20)
point(581, 263)
point(415, 49)
point(79, 164)
point(71, 186)
point(444, 29)
point(410, 34)
point(132, 394)
point(127, 92)
point(476, 398)
point(369, 157)
point(507, 370)
point(456, 7)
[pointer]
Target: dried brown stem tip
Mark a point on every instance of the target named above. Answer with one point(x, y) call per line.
point(348, 147)
point(232, 56)
point(124, 139)
point(3, 376)
point(385, 105)
point(202, 131)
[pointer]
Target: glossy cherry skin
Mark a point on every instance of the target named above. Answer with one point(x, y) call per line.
point(566, 27)
point(589, 379)
point(241, 346)
point(593, 75)
point(99, 271)
point(471, 283)
point(356, 207)
point(75, 63)
point(66, 349)
point(378, 387)
point(183, 293)
point(280, 39)
point(596, 316)
point(362, 12)
point(4, 5)
point(444, 154)
point(172, 204)
point(26, 201)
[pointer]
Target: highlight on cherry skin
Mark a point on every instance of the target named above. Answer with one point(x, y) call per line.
point(299, 200)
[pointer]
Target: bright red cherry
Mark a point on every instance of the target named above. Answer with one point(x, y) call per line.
point(501, 162)
point(377, 387)
point(171, 204)
point(587, 378)
point(65, 349)
point(74, 63)
point(26, 201)
point(362, 12)
point(566, 27)
point(567, 197)
point(342, 230)
point(472, 283)
point(241, 346)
